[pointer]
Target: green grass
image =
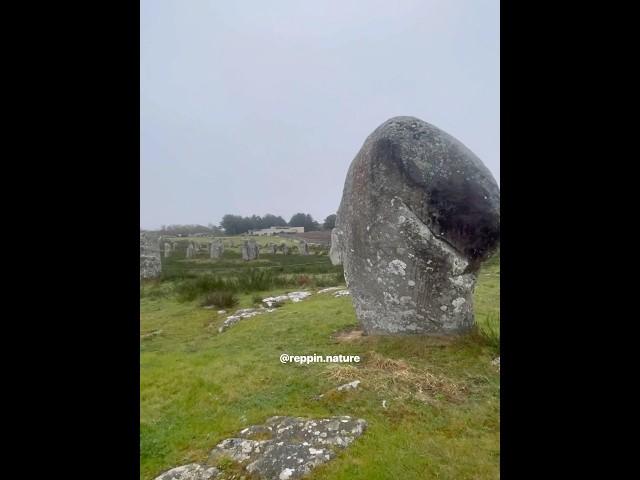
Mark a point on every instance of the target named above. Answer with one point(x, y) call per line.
point(199, 387)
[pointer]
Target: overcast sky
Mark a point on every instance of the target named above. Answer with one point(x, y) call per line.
point(254, 107)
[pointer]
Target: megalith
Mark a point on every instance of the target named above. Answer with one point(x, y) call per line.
point(419, 214)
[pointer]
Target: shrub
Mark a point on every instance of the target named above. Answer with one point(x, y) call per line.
point(304, 280)
point(190, 289)
point(257, 299)
point(489, 330)
point(485, 332)
point(220, 299)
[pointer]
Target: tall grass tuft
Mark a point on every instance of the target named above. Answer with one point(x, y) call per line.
point(255, 280)
point(487, 332)
point(190, 289)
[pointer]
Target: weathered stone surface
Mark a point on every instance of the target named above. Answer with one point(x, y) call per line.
point(245, 313)
point(342, 293)
point(285, 249)
point(191, 251)
point(329, 289)
point(241, 315)
point(150, 261)
point(293, 296)
point(192, 471)
point(303, 248)
point(287, 448)
point(419, 214)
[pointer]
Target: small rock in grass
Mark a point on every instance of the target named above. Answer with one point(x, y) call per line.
point(496, 362)
point(329, 289)
point(293, 296)
point(349, 386)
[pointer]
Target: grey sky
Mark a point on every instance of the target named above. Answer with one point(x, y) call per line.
point(254, 107)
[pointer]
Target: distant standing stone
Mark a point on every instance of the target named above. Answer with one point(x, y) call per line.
point(250, 250)
point(419, 214)
point(285, 249)
point(150, 260)
point(191, 251)
point(335, 254)
point(303, 248)
point(216, 249)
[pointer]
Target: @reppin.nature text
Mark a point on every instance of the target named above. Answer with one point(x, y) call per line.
point(308, 359)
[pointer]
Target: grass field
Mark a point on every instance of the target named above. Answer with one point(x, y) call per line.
point(231, 263)
point(198, 386)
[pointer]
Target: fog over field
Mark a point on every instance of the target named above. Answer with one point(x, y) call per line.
point(259, 107)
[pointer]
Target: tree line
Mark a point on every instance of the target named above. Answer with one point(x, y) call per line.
point(237, 224)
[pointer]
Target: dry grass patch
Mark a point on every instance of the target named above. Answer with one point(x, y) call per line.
point(398, 380)
point(348, 335)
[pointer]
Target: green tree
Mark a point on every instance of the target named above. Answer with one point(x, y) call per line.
point(304, 220)
point(233, 224)
point(329, 222)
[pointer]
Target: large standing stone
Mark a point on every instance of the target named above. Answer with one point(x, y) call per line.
point(419, 213)
point(285, 249)
point(303, 248)
point(191, 250)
